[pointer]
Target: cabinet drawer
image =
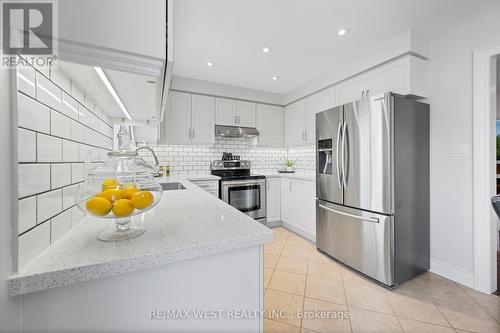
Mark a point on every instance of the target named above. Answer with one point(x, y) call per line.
point(211, 185)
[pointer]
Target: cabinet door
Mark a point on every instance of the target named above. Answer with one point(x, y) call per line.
point(350, 90)
point(319, 102)
point(287, 209)
point(393, 76)
point(225, 112)
point(203, 119)
point(273, 197)
point(294, 124)
point(245, 112)
point(178, 118)
point(304, 198)
point(269, 125)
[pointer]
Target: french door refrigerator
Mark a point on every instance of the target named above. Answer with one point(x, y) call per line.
point(372, 186)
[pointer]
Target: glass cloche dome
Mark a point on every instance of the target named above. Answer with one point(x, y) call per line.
point(118, 189)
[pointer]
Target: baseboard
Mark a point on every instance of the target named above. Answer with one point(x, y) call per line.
point(274, 224)
point(300, 231)
point(453, 273)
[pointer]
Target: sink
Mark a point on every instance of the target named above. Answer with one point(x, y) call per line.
point(174, 186)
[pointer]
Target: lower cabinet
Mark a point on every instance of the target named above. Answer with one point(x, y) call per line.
point(211, 186)
point(273, 201)
point(298, 206)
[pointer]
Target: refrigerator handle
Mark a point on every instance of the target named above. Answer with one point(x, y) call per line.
point(339, 182)
point(345, 155)
point(370, 219)
point(342, 159)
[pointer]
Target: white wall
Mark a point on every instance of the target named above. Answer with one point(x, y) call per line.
point(10, 308)
point(451, 77)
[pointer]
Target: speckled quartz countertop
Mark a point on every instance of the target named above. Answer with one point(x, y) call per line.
point(186, 224)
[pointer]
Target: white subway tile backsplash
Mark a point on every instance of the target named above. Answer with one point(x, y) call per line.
point(76, 172)
point(26, 80)
point(59, 225)
point(26, 145)
point(84, 153)
point(33, 243)
point(32, 115)
point(69, 193)
point(48, 93)
point(48, 205)
point(69, 151)
point(33, 178)
point(26, 214)
point(83, 115)
point(77, 131)
point(69, 106)
point(77, 93)
point(49, 149)
point(60, 125)
point(61, 79)
point(60, 175)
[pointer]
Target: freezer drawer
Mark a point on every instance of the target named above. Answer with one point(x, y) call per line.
point(359, 239)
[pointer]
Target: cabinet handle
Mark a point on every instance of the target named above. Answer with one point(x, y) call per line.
point(193, 133)
point(363, 94)
point(305, 135)
point(235, 120)
point(189, 133)
point(268, 186)
point(238, 119)
point(367, 92)
point(290, 186)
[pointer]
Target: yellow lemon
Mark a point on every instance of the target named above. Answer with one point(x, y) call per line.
point(142, 199)
point(110, 184)
point(129, 192)
point(111, 195)
point(98, 206)
point(122, 208)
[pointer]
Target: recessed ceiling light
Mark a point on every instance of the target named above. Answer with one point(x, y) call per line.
point(274, 78)
point(266, 49)
point(342, 32)
point(210, 64)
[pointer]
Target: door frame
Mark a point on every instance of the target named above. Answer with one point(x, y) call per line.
point(484, 217)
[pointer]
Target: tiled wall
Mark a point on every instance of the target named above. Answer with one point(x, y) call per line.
point(188, 159)
point(59, 127)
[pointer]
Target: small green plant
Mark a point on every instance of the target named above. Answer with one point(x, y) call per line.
point(289, 163)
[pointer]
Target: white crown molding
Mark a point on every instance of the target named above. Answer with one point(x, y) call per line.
point(109, 58)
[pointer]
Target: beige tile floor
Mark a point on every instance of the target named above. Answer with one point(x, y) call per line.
point(298, 277)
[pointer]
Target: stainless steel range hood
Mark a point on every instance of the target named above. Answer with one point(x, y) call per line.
point(235, 132)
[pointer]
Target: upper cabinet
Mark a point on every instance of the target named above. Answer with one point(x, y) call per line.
point(270, 125)
point(189, 119)
point(230, 112)
point(405, 76)
point(300, 118)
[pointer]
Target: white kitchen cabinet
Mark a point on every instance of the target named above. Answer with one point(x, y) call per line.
point(318, 102)
point(225, 112)
point(270, 125)
point(273, 199)
point(203, 122)
point(211, 186)
point(298, 206)
point(350, 90)
point(230, 112)
point(406, 76)
point(146, 134)
point(189, 119)
point(245, 114)
point(178, 118)
point(294, 124)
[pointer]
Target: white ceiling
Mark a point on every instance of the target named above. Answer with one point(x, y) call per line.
point(302, 34)
point(135, 92)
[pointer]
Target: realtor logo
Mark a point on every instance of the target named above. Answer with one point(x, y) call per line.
point(27, 28)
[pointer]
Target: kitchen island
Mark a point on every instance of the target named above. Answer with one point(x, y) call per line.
point(197, 254)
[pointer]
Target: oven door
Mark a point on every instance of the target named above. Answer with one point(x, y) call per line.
point(248, 196)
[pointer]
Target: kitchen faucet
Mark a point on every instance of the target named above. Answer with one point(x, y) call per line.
point(157, 163)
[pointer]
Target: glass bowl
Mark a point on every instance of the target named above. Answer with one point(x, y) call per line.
point(118, 189)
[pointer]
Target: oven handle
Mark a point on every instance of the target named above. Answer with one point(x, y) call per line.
point(228, 183)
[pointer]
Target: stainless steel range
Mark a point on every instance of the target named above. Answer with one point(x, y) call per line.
point(239, 188)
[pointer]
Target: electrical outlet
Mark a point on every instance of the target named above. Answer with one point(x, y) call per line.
point(458, 150)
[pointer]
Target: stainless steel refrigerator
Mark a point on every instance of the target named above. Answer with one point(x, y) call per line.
point(372, 186)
